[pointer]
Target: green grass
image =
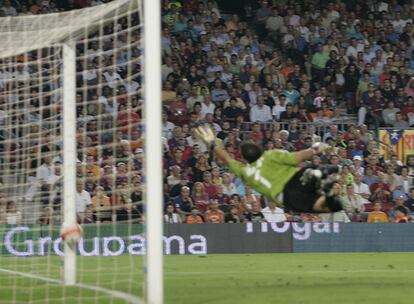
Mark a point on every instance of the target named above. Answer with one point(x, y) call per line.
point(243, 278)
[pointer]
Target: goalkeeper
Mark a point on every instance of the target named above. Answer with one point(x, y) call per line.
point(277, 175)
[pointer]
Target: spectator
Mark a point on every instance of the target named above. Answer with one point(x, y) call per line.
point(47, 217)
point(353, 203)
point(13, 216)
point(391, 178)
point(260, 112)
point(409, 203)
point(335, 217)
point(101, 205)
point(233, 110)
point(175, 177)
point(280, 107)
point(83, 200)
point(273, 214)
point(8, 9)
point(209, 187)
point(389, 114)
point(405, 182)
point(284, 137)
point(380, 190)
point(233, 215)
point(398, 210)
point(88, 216)
point(200, 197)
point(255, 215)
point(193, 217)
point(360, 187)
point(218, 93)
point(377, 216)
point(207, 107)
point(401, 215)
point(214, 214)
point(183, 203)
point(229, 188)
point(171, 217)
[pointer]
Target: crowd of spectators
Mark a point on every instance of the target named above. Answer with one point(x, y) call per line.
point(284, 74)
point(283, 69)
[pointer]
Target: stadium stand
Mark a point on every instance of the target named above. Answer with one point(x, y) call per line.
point(283, 74)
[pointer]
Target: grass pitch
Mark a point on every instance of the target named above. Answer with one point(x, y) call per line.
point(243, 278)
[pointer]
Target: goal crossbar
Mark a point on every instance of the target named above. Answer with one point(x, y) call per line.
point(22, 34)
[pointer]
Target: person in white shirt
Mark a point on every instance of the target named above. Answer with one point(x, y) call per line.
point(260, 112)
point(13, 216)
point(207, 106)
point(82, 199)
point(167, 126)
point(21, 74)
point(361, 188)
point(275, 23)
point(335, 217)
point(42, 175)
point(54, 182)
point(229, 188)
point(171, 217)
point(352, 203)
point(356, 167)
point(167, 68)
point(354, 48)
point(405, 180)
point(45, 170)
point(8, 9)
point(113, 79)
point(273, 214)
point(279, 107)
point(190, 101)
point(398, 23)
point(90, 74)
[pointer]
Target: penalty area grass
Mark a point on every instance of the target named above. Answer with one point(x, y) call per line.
point(223, 278)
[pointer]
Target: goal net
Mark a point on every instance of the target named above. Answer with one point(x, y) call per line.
point(104, 82)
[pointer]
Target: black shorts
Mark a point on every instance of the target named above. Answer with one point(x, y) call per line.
point(298, 198)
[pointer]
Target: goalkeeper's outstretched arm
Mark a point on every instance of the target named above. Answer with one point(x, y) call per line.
point(307, 154)
point(223, 155)
point(210, 139)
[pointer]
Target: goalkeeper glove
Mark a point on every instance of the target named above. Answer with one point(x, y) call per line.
point(320, 147)
point(207, 136)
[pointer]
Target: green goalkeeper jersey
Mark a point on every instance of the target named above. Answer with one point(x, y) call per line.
point(269, 174)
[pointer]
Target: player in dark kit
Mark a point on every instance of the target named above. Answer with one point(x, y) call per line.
point(278, 176)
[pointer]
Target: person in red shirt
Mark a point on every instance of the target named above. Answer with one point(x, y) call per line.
point(126, 119)
point(385, 74)
point(408, 109)
point(178, 111)
point(209, 187)
point(256, 134)
point(380, 190)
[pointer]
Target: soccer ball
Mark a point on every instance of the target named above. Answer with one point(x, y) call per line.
point(71, 233)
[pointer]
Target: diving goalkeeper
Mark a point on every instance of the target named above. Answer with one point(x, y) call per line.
point(277, 175)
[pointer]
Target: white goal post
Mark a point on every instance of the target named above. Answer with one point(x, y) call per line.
point(21, 35)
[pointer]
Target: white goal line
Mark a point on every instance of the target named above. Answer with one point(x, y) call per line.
point(114, 293)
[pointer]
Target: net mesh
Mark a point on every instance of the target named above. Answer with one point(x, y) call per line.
point(109, 154)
